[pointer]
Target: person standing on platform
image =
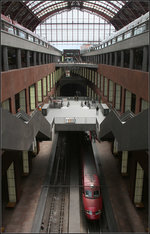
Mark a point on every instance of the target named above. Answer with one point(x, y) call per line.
point(97, 109)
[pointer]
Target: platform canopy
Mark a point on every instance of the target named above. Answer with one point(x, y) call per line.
point(31, 13)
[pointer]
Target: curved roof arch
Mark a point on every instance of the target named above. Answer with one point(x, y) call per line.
point(31, 13)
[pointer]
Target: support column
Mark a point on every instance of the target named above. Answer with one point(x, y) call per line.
point(12, 105)
point(27, 100)
point(36, 95)
point(18, 58)
point(138, 105)
point(46, 58)
point(28, 58)
point(122, 58)
point(39, 58)
point(123, 101)
point(5, 58)
point(107, 58)
point(114, 95)
point(145, 58)
point(115, 59)
point(131, 58)
point(43, 58)
point(110, 59)
point(25, 160)
point(34, 58)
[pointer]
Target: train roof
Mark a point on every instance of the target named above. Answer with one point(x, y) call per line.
point(89, 170)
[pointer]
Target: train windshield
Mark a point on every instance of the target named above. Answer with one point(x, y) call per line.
point(88, 193)
point(96, 193)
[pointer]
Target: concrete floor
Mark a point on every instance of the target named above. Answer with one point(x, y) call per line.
point(19, 219)
point(127, 217)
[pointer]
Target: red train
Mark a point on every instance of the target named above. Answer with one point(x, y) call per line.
point(91, 196)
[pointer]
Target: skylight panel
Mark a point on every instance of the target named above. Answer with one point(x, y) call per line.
point(99, 8)
point(44, 5)
point(52, 8)
point(34, 4)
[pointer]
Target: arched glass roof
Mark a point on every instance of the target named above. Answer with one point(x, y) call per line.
point(31, 13)
point(42, 9)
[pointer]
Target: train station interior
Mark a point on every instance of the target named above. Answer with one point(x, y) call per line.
point(74, 84)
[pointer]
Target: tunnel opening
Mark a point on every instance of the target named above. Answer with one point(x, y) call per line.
point(71, 90)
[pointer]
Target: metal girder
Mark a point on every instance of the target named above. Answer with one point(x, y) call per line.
point(130, 11)
point(8, 8)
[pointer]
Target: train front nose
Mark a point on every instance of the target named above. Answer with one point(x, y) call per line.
point(93, 213)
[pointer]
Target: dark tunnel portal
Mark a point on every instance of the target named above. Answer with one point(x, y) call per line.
point(71, 90)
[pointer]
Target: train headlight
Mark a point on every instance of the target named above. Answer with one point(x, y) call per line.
point(89, 212)
point(98, 212)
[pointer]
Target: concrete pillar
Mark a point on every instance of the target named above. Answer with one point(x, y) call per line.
point(19, 58)
point(145, 58)
point(5, 58)
point(124, 163)
point(25, 160)
point(131, 58)
point(115, 64)
point(39, 58)
point(103, 58)
point(12, 105)
point(27, 101)
point(122, 58)
point(100, 58)
point(43, 58)
point(138, 105)
point(114, 95)
point(110, 92)
point(46, 59)
point(36, 95)
point(123, 101)
point(110, 59)
point(34, 58)
point(107, 58)
point(28, 58)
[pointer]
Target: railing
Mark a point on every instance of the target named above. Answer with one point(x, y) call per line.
point(23, 115)
point(126, 116)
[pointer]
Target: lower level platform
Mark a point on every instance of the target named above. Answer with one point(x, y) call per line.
point(20, 218)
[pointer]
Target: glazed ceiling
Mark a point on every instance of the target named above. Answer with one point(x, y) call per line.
point(31, 13)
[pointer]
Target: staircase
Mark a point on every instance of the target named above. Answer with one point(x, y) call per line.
point(18, 131)
point(130, 131)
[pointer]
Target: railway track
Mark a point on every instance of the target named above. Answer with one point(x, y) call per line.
point(56, 214)
point(55, 219)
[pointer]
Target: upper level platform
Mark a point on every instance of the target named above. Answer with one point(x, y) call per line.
point(73, 115)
